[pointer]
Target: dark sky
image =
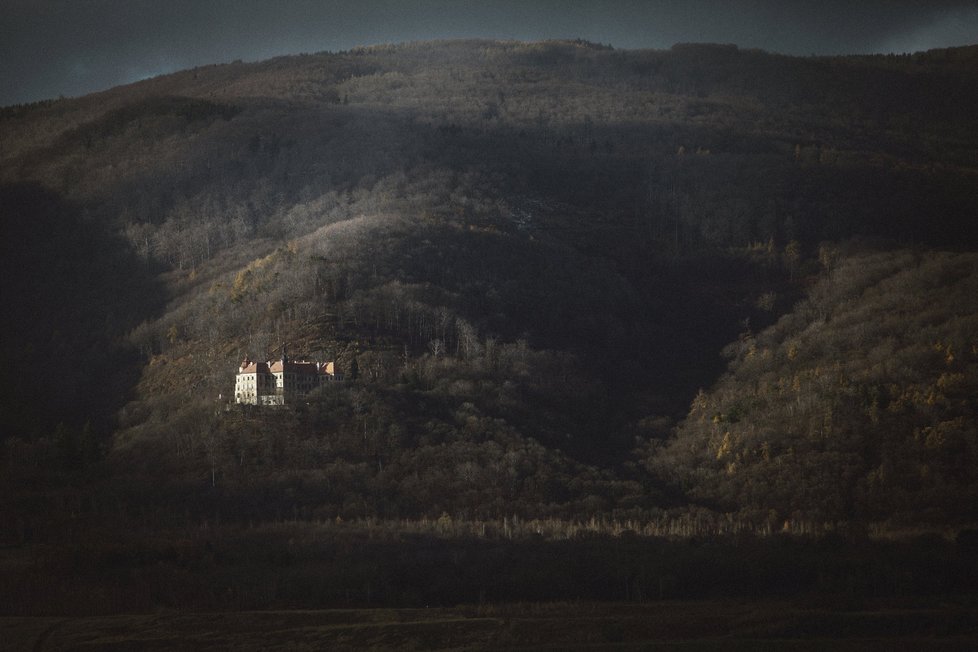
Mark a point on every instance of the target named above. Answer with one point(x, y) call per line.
point(71, 47)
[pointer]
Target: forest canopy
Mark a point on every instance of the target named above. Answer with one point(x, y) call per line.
point(573, 282)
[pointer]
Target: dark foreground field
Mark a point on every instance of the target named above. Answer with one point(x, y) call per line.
point(373, 586)
point(701, 625)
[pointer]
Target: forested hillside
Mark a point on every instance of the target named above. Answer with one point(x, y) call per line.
point(564, 281)
point(859, 403)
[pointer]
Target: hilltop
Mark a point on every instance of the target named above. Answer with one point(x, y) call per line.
point(535, 254)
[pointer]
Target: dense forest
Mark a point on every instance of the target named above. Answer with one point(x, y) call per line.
point(689, 292)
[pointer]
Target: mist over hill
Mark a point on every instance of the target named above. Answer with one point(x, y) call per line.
point(573, 281)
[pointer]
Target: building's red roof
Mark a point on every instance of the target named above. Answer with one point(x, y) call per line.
point(303, 368)
point(295, 367)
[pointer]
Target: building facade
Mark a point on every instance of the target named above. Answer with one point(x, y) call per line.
point(280, 382)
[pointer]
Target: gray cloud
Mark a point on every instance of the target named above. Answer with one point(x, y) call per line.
point(958, 26)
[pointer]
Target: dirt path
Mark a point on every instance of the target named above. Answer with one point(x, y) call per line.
point(46, 634)
point(726, 625)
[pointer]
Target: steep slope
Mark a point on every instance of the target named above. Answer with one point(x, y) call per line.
point(534, 253)
point(72, 293)
point(858, 404)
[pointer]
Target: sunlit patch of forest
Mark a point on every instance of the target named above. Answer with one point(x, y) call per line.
point(702, 291)
point(857, 403)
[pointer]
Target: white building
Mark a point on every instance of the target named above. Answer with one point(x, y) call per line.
point(279, 382)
